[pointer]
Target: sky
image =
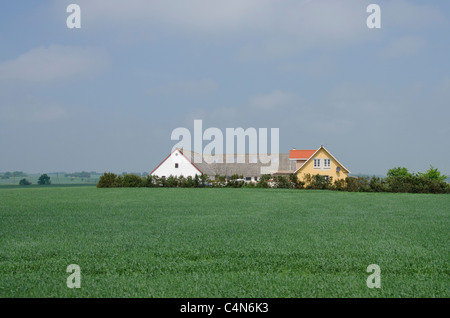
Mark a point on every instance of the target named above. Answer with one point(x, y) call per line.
point(107, 96)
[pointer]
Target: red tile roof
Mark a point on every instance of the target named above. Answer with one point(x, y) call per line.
point(301, 154)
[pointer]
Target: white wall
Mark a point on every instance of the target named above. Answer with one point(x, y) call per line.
point(167, 168)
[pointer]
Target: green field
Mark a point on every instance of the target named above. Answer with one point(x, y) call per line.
point(173, 242)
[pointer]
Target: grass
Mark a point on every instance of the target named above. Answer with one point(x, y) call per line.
point(222, 243)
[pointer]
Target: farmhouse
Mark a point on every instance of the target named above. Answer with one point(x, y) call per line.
point(319, 161)
point(301, 162)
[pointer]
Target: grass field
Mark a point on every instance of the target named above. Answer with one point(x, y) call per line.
point(149, 242)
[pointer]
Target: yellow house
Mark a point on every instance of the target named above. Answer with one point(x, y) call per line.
point(319, 161)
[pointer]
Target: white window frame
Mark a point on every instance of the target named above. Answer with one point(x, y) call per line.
point(325, 161)
point(317, 166)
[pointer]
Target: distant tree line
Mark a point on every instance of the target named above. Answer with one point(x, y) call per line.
point(44, 179)
point(398, 179)
point(15, 174)
point(82, 174)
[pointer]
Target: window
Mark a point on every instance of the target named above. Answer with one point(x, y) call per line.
point(176, 166)
point(327, 163)
point(316, 163)
point(248, 178)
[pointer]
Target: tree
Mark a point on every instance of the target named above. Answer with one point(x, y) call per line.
point(18, 174)
point(398, 172)
point(24, 182)
point(6, 175)
point(44, 180)
point(107, 180)
point(433, 174)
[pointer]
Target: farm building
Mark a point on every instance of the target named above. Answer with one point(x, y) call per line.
point(319, 161)
point(182, 162)
point(186, 163)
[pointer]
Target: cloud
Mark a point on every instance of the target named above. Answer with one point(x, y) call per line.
point(29, 110)
point(267, 109)
point(401, 13)
point(185, 88)
point(264, 29)
point(272, 101)
point(405, 46)
point(271, 29)
point(54, 63)
point(320, 67)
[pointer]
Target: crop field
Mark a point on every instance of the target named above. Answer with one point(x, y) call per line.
point(174, 242)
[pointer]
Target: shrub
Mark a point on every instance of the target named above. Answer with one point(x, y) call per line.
point(132, 181)
point(317, 182)
point(107, 180)
point(364, 184)
point(24, 182)
point(196, 181)
point(249, 185)
point(417, 184)
point(263, 181)
point(148, 182)
point(296, 184)
point(282, 182)
point(204, 180)
point(235, 183)
point(162, 182)
point(172, 182)
point(119, 182)
point(219, 181)
point(357, 184)
point(377, 184)
point(339, 185)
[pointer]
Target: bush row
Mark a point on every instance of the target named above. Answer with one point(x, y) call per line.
point(412, 183)
point(111, 180)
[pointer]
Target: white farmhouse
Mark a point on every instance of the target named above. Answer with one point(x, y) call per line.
point(177, 164)
point(181, 163)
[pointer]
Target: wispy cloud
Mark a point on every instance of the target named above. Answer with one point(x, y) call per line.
point(194, 88)
point(405, 46)
point(54, 63)
point(319, 67)
point(30, 110)
point(406, 14)
point(272, 101)
point(302, 24)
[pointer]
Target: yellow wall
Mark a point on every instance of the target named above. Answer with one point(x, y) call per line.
point(322, 154)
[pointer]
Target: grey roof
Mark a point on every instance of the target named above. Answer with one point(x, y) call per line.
point(227, 165)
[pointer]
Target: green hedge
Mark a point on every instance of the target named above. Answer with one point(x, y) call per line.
point(412, 183)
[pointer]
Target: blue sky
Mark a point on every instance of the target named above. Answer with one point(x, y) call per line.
point(106, 97)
